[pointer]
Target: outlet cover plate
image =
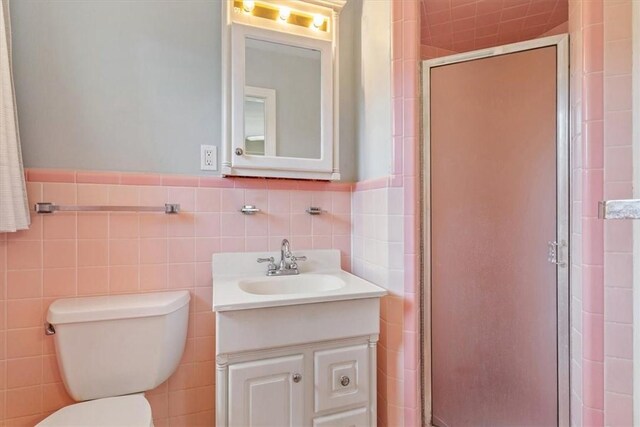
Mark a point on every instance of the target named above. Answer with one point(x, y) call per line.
point(208, 157)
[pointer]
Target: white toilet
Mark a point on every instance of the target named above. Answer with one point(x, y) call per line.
point(111, 349)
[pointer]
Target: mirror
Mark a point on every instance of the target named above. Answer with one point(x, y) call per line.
point(282, 100)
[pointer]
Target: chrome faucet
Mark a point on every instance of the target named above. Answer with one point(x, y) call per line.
point(288, 264)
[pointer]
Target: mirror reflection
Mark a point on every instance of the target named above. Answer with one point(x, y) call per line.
point(259, 121)
point(282, 103)
point(254, 126)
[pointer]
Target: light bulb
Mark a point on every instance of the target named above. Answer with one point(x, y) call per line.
point(248, 5)
point(285, 12)
point(318, 20)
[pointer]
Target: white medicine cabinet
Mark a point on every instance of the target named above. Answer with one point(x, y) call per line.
point(280, 88)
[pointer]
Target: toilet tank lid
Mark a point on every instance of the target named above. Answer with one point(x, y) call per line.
point(131, 410)
point(91, 309)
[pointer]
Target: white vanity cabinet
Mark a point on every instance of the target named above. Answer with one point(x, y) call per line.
point(302, 378)
point(297, 350)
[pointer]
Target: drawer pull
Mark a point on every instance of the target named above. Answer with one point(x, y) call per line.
point(344, 380)
point(297, 378)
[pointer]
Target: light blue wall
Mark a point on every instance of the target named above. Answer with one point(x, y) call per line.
point(373, 85)
point(131, 85)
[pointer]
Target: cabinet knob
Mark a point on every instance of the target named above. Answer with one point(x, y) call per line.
point(239, 152)
point(297, 378)
point(344, 380)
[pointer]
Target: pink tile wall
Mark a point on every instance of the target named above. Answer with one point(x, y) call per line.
point(560, 29)
point(378, 225)
point(431, 52)
point(592, 227)
point(406, 132)
point(464, 25)
point(69, 254)
point(378, 255)
point(618, 176)
point(586, 26)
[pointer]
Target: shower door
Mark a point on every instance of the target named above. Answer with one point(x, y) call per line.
point(496, 166)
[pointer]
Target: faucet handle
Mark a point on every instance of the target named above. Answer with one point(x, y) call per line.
point(294, 261)
point(272, 264)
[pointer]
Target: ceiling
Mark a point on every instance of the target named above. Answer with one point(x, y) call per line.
point(464, 25)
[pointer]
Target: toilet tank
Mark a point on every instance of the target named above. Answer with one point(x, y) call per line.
point(121, 344)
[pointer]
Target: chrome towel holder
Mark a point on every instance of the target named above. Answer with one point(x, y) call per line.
point(49, 208)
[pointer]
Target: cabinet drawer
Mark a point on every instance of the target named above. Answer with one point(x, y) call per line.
point(356, 418)
point(341, 377)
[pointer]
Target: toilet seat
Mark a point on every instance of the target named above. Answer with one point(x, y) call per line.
point(123, 411)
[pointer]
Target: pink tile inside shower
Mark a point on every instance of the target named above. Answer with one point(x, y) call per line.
point(618, 249)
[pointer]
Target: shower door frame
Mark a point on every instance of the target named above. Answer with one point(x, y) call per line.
point(563, 157)
point(635, 78)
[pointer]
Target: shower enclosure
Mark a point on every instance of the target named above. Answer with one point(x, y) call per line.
point(496, 215)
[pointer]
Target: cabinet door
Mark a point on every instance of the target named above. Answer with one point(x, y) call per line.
point(267, 392)
point(355, 418)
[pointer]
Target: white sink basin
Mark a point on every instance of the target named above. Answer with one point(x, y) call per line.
point(240, 283)
point(300, 284)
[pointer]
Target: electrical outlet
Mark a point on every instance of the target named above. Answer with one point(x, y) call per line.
point(208, 157)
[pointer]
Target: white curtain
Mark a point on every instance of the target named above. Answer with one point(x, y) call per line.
point(14, 207)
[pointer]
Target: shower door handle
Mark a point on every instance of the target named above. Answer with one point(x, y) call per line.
point(619, 209)
point(554, 253)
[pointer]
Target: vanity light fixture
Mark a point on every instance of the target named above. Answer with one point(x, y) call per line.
point(285, 12)
point(248, 5)
point(264, 9)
